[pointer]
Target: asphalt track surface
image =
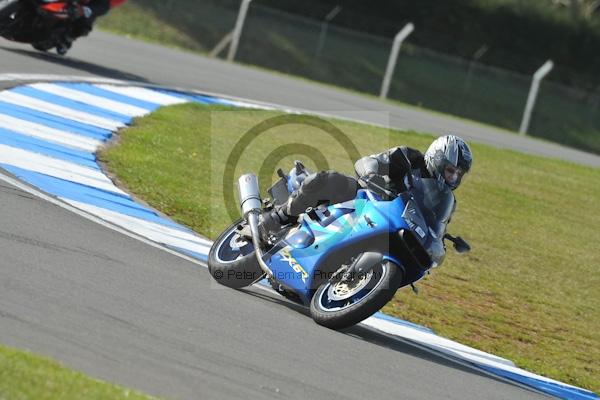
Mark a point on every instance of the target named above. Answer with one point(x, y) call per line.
point(115, 57)
point(123, 311)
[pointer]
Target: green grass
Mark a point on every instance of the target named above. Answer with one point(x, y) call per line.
point(288, 44)
point(27, 376)
point(529, 289)
point(193, 26)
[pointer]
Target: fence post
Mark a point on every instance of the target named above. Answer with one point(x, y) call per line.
point(533, 92)
point(324, 25)
point(400, 37)
point(476, 56)
point(219, 47)
point(237, 31)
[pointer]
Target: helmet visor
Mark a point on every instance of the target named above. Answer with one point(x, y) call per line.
point(453, 175)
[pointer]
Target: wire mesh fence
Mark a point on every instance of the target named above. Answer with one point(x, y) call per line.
point(466, 88)
point(460, 87)
point(567, 116)
point(294, 45)
point(323, 52)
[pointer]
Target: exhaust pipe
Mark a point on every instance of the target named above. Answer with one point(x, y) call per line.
point(249, 194)
point(251, 206)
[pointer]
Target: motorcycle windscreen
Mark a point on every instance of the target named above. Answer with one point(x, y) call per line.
point(436, 203)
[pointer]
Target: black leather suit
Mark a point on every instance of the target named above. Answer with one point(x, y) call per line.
point(330, 187)
point(82, 26)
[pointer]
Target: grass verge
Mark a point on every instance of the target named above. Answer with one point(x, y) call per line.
point(27, 376)
point(529, 289)
point(290, 44)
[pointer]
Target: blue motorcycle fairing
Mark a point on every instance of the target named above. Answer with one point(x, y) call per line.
point(299, 257)
point(388, 257)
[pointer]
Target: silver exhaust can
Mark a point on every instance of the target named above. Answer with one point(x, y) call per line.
point(249, 194)
point(251, 209)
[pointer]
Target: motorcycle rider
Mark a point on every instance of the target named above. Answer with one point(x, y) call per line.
point(83, 22)
point(447, 159)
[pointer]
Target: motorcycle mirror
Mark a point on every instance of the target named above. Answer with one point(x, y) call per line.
point(404, 161)
point(401, 158)
point(461, 246)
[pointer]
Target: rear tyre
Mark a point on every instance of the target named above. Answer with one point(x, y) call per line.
point(42, 46)
point(231, 260)
point(338, 305)
point(7, 9)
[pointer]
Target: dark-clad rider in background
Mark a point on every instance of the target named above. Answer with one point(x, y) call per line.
point(447, 159)
point(83, 23)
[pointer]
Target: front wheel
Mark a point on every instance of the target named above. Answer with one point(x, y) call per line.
point(231, 260)
point(339, 304)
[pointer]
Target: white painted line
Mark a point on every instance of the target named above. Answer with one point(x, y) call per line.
point(57, 168)
point(12, 77)
point(245, 104)
point(51, 135)
point(64, 112)
point(431, 339)
point(451, 348)
point(53, 200)
point(144, 94)
point(153, 231)
point(87, 98)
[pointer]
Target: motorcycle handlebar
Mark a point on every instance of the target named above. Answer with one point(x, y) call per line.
point(371, 184)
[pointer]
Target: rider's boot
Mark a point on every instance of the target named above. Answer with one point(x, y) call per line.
point(272, 221)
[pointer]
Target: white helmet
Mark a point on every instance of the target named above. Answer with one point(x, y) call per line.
point(448, 159)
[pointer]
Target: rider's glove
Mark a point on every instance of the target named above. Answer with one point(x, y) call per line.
point(382, 181)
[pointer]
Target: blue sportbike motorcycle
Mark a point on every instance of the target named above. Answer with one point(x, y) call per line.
point(345, 261)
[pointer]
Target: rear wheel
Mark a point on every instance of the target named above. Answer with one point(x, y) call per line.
point(339, 304)
point(7, 9)
point(42, 46)
point(231, 260)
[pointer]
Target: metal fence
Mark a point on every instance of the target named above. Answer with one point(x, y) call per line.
point(355, 60)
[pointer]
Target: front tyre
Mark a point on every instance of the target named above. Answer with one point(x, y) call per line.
point(231, 260)
point(338, 304)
